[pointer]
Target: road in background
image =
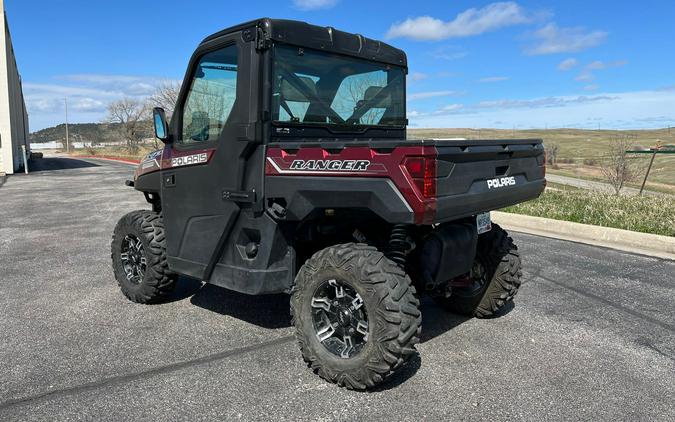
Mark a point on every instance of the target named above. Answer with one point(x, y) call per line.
point(591, 335)
point(596, 186)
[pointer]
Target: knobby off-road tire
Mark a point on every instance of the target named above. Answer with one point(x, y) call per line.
point(500, 260)
point(391, 307)
point(155, 282)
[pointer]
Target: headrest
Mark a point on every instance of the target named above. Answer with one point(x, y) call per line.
point(291, 93)
point(371, 92)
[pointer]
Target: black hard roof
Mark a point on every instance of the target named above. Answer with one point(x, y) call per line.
point(322, 38)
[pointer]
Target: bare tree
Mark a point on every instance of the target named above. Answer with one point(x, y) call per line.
point(551, 149)
point(133, 120)
point(617, 166)
point(165, 96)
point(352, 93)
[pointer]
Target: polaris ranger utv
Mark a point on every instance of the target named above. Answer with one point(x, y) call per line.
point(286, 168)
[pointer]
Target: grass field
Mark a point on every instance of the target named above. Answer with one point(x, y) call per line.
point(579, 144)
point(115, 151)
point(647, 214)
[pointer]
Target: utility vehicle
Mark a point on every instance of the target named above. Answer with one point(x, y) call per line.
point(286, 168)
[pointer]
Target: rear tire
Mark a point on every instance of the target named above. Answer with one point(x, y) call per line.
point(390, 309)
point(499, 258)
point(138, 252)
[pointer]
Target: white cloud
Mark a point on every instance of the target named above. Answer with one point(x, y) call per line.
point(470, 22)
point(552, 39)
point(585, 76)
point(129, 85)
point(448, 53)
point(599, 65)
point(314, 4)
point(596, 65)
point(568, 64)
point(492, 79)
point(450, 108)
point(591, 87)
point(623, 110)
point(88, 96)
point(432, 94)
point(545, 102)
point(417, 76)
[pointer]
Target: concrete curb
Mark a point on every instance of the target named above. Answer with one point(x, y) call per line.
point(624, 240)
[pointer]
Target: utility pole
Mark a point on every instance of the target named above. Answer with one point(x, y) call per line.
point(67, 140)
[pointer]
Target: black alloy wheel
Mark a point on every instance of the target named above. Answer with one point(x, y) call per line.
point(339, 318)
point(133, 259)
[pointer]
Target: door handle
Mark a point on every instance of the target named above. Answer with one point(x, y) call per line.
point(239, 196)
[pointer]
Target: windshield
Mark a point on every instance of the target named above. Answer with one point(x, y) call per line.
point(314, 87)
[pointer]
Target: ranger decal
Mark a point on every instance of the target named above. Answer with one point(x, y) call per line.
point(330, 165)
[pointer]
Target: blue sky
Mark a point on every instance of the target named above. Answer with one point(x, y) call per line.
point(522, 64)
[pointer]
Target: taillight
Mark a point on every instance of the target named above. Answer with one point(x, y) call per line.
point(545, 158)
point(423, 173)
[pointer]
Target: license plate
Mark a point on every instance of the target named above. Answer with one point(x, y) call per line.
point(483, 223)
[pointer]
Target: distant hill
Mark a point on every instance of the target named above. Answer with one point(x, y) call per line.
point(78, 132)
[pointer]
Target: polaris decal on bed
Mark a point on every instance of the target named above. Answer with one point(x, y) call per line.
point(500, 182)
point(330, 165)
point(189, 160)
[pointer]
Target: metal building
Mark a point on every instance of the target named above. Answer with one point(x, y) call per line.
point(13, 115)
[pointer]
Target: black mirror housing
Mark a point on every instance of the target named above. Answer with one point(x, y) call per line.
point(161, 127)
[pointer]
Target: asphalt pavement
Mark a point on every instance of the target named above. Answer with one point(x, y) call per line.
point(591, 335)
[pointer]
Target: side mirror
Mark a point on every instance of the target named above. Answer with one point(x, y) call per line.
point(161, 128)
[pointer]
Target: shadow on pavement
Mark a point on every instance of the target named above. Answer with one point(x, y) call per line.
point(272, 312)
point(437, 321)
point(185, 287)
point(267, 311)
point(58, 163)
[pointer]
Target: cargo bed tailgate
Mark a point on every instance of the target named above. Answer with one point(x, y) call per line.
point(478, 176)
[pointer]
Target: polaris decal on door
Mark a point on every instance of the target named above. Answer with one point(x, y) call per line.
point(189, 160)
point(501, 182)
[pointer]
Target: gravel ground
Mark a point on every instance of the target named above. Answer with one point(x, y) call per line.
point(591, 335)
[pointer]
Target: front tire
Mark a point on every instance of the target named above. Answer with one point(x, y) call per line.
point(356, 315)
point(138, 252)
point(497, 272)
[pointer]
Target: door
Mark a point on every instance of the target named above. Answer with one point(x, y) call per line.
point(206, 155)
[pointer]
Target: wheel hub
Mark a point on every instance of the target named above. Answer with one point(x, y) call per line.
point(133, 259)
point(339, 318)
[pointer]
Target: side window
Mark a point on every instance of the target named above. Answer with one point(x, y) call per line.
point(213, 91)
